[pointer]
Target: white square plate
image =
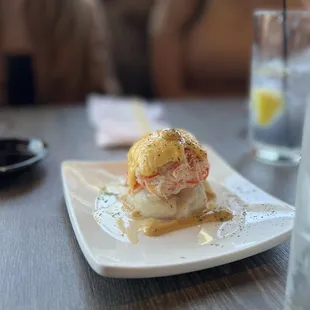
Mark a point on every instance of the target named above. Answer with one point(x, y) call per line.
point(266, 223)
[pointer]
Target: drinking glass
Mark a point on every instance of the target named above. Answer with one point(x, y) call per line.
point(280, 83)
point(298, 281)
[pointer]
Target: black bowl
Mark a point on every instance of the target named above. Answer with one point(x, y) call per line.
point(20, 154)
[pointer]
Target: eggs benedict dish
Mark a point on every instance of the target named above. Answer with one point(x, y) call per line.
point(165, 190)
point(167, 172)
point(166, 162)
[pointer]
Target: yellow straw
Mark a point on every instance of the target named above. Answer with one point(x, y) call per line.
point(141, 117)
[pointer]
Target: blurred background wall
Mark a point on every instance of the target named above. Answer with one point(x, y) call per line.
point(60, 50)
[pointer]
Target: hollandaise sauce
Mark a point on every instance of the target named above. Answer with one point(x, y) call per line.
point(154, 227)
point(127, 225)
point(159, 148)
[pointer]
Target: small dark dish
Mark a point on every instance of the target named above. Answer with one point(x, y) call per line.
point(20, 154)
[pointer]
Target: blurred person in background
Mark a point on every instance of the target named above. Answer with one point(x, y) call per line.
point(185, 48)
point(53, 51)
point(149, 48)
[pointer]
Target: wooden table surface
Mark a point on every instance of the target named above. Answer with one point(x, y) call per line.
point(41, 265)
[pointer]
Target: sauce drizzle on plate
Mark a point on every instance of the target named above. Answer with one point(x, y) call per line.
point(127, 225)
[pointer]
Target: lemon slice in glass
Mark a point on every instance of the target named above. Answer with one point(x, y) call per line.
point(268, 104)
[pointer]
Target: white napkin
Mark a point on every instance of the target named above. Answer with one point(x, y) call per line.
point(121, 121)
